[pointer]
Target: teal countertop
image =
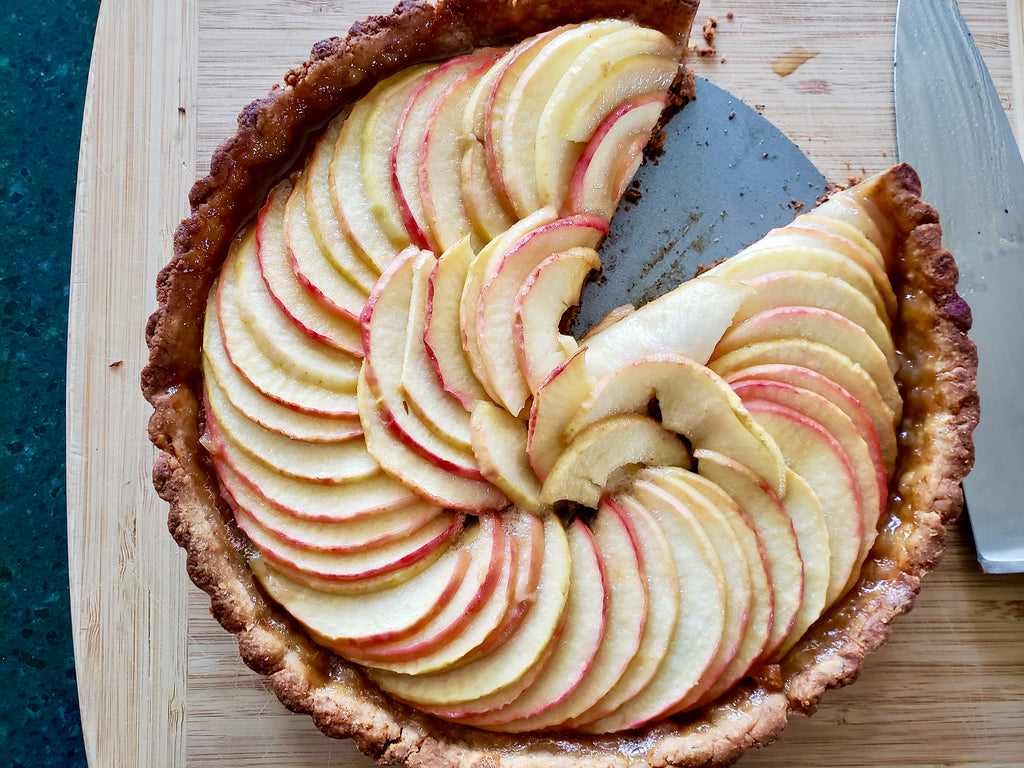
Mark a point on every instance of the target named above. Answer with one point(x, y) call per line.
point(44, 58)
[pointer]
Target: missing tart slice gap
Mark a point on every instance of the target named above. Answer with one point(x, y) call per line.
point(447, 529)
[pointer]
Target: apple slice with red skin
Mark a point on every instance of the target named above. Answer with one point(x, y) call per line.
point(320, 279)
point(700, 622)
point(327, 463)
point(544, 297)
point(824, 327)
point(868, 475)
point(882, 446)
point(440, 160)
point(745, 638)
point(693, 402)
point(510, 661)
point(870, 260)
point(823, 360)
point(817, 457)
point(770, 520)
point(483, 592)
point(380, 132)
point(349, 620)
point(441, 334)
point(586, 615)
point(819, 221)
point(333, 329)
point(385, 321)
point(348, 535)
point(749, 264)
point(499, 444)
point(361, 496)
point(284, 385)
point(411, 136)
point(443, 413)
point(602, 454)
point(483, 204)
point(624, 627)
point(279, 338)
point(811, 530)
point(659, 573)
point(432, 480)
point(479, 272)
point(513, 138)
point(551, 411)
point(347, 568)
point(323, 219)
point(495, 315)
point(814, 289)
point(260, 409)
point(611, 70)
point(749, 595)
point(613, 155)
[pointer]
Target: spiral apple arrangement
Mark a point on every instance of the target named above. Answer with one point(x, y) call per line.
point(503, 525)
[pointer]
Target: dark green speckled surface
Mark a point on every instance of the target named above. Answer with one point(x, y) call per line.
point(45, 47)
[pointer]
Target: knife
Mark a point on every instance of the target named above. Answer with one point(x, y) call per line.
point(951, 127)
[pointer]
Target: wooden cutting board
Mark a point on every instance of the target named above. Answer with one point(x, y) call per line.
point(160, 683)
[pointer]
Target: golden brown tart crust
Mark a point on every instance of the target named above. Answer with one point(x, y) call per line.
point(936, 376)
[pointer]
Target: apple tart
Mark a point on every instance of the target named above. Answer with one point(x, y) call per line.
point(445, 528)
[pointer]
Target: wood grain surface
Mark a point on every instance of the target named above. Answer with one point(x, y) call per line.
point(160, 683)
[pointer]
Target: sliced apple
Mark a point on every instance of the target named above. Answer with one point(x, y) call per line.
point(258, 407)
point(385, 320)
point(510, 661)
point(280, 338)
point(316, 462)
point(822, 359)
point(817, 457)
point(747, 630)
point(700, 622)
point(869, 475)
point(824, 327)
point(774, 528)
point(688, 320)
point(348, 535)
point(478, 633)
point(484, 207)
point(613, 69)
point(515, 137)
point(442, 334)
point(483, 575)
point(355, 565)
point(410, 137)
point(613, 155)
point(544, 297)
point(599, 454)
point(323, 220)
point(811, 529)
point(320, 279)
point(290, 386)
point(361, 496)
point(508, 270)
point(339, 620)
point(586, 615)
point(332, 329)
point(694, 402)
point(626, 618)
point(440, 161)
point(659, 573)
point(499, 443)
point(442, 412)
point(882, 445)
point(553, 408)
point(431, 479)
point(814, 289)
point(480, 271)
point(754, 263)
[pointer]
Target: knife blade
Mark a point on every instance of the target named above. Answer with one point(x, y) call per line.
point(952, 128)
